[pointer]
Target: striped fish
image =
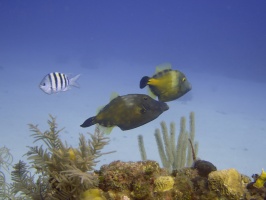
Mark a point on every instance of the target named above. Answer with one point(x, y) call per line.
point(57, 82)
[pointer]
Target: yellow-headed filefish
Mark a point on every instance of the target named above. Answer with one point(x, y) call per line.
point(167, 84)
point(128, 112)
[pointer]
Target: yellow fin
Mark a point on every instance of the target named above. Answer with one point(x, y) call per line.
point(113, 95)
point(99, 109)
point(106, 130)
point(150, 93)
point(163, 66)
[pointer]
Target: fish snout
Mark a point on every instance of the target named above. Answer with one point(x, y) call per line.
point(189, 86)
point(164, 106)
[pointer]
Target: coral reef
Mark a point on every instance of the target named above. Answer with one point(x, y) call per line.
point(145, 180)
point(227, 183)
point(134, 179)
point(60, 171)
point(174, 155)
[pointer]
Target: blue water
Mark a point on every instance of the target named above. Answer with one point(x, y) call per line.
point(219, 45)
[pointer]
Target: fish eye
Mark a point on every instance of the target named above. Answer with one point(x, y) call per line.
point(43, 84)
point(143, 110)
point(184, 79)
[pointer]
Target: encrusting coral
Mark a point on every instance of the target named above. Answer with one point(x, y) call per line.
point(227, 183)
point(136, 180)
point(163, 183)
point(92, 194)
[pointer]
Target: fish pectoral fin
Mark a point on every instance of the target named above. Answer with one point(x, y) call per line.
point(106, 130)
point(88, 122)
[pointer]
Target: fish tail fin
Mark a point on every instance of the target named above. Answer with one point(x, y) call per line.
point(72, 81)
point(88, 122)
point(143, 82)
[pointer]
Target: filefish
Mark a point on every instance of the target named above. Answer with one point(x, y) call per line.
point(128, 112)
point(167, 84)
point(57, 82)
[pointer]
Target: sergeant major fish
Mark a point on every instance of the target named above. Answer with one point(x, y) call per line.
point(57, 82)
point(128, 112)
point(167, 84)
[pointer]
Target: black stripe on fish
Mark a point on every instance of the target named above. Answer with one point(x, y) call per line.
point(66, 80)
point(61, 81)
point(56, 81)
point(51, 80)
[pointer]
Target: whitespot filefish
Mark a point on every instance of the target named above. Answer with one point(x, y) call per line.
point(128, 112)
point(57, 82)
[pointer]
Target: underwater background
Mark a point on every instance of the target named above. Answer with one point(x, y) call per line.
point(219, 45)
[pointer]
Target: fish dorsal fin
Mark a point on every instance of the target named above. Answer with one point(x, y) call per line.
point(113, 95)
point(163, 67)
point(99, 109)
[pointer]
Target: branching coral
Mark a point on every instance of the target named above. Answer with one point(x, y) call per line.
point(24, 183)
point(6, 160)
point(65, 172)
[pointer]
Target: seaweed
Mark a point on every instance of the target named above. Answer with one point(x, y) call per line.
point(63, 172)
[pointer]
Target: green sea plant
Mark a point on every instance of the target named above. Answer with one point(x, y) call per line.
point(6, 160)
point(25, 185)
point(60, 171)
point(174, 154)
